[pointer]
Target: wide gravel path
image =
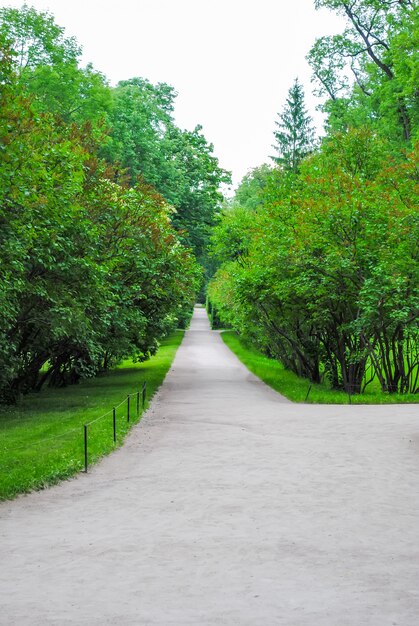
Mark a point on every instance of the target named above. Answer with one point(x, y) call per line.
point(227, 505)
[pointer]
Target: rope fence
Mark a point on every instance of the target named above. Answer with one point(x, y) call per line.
point(140, 394)
point(139, 397)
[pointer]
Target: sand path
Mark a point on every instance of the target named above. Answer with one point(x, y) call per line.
point(227, 505)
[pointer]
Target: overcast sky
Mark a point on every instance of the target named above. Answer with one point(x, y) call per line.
point(231, 61)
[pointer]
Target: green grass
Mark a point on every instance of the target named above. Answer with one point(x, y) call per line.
point(295, 388)
point(41, 439)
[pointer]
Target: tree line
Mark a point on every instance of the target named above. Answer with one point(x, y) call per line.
point(105, 207)
point(318, 254)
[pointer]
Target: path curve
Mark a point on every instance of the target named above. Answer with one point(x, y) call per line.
point(227, 505)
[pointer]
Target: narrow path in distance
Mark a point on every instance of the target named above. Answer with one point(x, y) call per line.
point(227, 505)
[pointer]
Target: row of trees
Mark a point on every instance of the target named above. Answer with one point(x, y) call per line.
point(104, 206)
point(319, 255)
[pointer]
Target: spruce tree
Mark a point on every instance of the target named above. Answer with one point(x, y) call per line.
point(295, 133)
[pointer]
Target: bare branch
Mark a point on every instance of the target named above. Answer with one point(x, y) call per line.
point(359, 82)
point(358, 27)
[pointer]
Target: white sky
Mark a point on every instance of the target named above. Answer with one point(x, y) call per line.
point(231, 61)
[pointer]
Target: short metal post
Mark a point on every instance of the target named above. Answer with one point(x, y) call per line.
point(144, 392)
point(138, 403)
point(308, 393)
point(128, 399)
point(85, 448)
point(114, 424)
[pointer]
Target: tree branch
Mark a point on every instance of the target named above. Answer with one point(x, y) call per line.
point(355, 21)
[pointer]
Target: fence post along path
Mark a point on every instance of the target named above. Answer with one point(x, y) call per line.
point(227, 504)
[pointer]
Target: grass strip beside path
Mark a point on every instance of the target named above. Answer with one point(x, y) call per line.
point(295, 388)
point(41, 439)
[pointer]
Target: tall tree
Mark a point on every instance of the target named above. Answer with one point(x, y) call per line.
point(295, 133)
point(180, 164)
point(378, 49)
point(46, 65)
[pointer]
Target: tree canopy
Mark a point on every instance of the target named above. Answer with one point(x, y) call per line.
point(104, 204)
point(378, 49)
point(319, 265)
point(180, 164)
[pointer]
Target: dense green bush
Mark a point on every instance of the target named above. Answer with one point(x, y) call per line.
point(325, 276)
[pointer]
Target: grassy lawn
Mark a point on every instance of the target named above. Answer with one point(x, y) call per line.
point(295, 388)
point(41, 439)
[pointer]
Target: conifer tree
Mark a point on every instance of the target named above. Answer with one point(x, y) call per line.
point(295, 133)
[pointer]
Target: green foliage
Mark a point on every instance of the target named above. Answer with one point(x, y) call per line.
point(327, 280)
point(92, 269)
point(214, 318)
point(179, 164)
point(46, 65)
point(249, 193)
point(379, 50)
point(321, 271)
point(295, 133)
